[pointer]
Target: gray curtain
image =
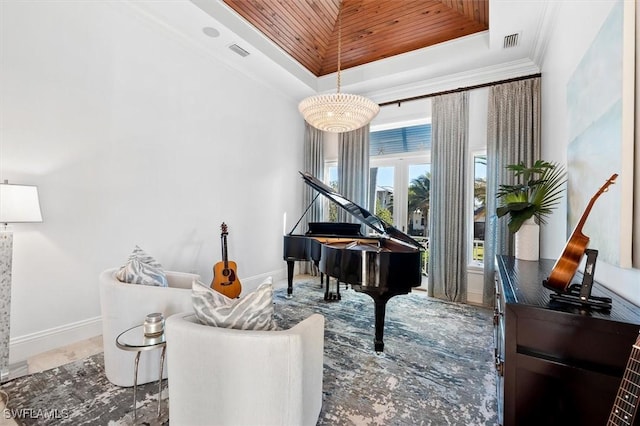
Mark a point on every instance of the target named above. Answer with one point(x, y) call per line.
point(353, 169)
point(448, 229)
point(314, 164)
point(513, 135)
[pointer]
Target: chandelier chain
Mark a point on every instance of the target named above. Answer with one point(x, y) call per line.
point(339, 46)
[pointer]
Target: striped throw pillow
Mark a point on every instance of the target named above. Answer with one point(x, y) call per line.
point(142, 268)
point(251, 312)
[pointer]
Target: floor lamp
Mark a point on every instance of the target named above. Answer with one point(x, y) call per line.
point(18, 204)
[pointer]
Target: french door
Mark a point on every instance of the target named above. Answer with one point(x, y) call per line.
point(402, 189)
point(400, 193)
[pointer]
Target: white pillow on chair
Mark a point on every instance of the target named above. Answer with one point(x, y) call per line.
point(251, 312)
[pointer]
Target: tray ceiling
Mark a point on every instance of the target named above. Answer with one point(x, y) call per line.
point(371, 29)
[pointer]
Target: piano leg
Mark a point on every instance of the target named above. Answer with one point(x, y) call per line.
point(380, 301)
point(326, 288)
point(290, 265)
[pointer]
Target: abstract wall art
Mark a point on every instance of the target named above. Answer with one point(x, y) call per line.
point(600, 108)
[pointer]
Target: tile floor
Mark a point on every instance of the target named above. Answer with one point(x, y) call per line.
point(65, 354)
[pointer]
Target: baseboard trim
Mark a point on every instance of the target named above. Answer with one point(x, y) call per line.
point(22, 348)
point(251, 283)
point(18, 369)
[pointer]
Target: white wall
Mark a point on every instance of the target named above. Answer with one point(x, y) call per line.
point(133, 137)
point(576, 26)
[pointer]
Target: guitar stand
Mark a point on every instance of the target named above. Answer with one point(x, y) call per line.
point(580, 294)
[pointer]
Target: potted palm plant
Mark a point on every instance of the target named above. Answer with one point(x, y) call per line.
point(535, 194)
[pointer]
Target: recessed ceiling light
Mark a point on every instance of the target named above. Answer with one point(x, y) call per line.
point(211, 32)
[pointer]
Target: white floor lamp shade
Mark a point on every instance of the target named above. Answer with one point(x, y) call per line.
point(19, 203)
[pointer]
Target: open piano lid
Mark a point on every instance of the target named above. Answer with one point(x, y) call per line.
point(360, 213)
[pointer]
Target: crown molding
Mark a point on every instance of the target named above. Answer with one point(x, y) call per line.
point(544, 32)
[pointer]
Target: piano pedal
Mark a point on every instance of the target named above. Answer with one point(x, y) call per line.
point(332, 297)
point(329, 295)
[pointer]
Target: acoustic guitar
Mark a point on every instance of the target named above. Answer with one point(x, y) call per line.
point(567, 264)
point(625, 405)
point(225, 275)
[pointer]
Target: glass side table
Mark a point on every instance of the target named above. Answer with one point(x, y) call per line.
point(134, 339)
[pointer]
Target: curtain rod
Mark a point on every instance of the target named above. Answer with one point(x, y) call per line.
point(459, 89)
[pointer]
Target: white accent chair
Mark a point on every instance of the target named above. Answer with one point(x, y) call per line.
point(126, 305)
point(225, 377)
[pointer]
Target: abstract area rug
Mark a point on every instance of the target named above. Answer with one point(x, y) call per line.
point(437, 366)
point(79, 394)
point(436, 369)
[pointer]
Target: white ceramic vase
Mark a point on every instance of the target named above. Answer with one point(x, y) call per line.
point(528, 241)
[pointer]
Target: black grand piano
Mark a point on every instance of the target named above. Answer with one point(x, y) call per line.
point(382, 266)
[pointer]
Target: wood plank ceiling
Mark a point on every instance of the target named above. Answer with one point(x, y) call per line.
point(371, 29)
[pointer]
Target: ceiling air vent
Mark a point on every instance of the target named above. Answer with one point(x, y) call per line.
point(511, 40)
point(239, 50)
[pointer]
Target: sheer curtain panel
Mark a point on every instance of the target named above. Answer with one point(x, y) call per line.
point(314, 164)
point(513, 136)
point(353, 169)
point(448, 229)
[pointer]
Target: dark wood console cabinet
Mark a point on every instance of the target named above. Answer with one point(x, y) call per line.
point(557, 364)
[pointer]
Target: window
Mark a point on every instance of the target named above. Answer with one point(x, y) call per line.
point(418, 199)
point(382, 179)
point(479, 205)
point(331, 178)
point(400, 141)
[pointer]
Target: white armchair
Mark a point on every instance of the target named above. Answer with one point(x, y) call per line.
point(124, 306)
point(221, 376)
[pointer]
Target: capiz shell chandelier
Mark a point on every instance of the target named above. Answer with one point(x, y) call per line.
point(338, 112)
